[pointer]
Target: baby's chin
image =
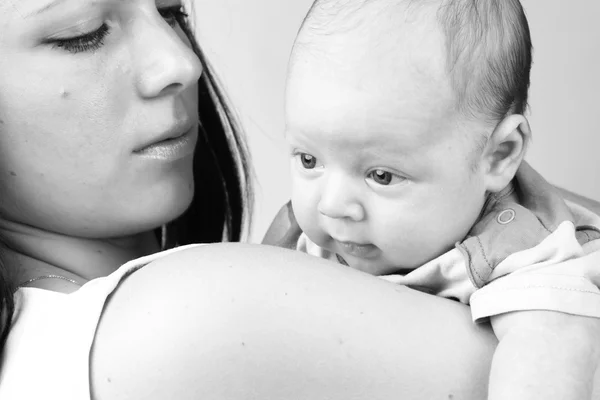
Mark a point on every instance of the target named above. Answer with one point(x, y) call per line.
point(371, 267)
point(368, 258)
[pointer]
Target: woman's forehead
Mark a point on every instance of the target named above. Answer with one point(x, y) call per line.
point(29, 8)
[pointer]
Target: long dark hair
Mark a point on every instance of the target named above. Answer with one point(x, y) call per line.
point(220, 208)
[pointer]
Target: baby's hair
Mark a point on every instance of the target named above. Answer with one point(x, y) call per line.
point(488, 46)
point(489, 56)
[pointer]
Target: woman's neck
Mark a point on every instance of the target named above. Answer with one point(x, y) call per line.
point(30, 252)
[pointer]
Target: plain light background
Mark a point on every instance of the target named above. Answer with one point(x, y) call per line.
point(248, 41)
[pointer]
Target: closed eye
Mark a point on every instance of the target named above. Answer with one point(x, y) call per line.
point(87, 42)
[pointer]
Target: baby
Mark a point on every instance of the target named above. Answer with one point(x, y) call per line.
point(407, 137)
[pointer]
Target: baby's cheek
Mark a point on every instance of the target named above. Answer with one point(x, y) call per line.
point(405, 243)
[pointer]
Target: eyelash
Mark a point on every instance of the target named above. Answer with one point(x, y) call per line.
point(89, 42)
point(92, 41)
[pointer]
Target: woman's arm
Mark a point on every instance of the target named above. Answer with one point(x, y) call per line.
point(544, 355)
point(236, 321)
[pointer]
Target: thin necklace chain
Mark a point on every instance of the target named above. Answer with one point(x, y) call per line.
point(163, 244)
point(37, 278)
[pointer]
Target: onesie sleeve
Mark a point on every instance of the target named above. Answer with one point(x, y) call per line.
point(559, 274)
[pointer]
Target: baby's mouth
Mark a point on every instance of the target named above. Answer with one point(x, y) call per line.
point(357, 250)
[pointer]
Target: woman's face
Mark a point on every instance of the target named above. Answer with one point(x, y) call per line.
point(92, 93)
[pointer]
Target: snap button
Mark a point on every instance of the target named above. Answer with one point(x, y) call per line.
point(506, 216)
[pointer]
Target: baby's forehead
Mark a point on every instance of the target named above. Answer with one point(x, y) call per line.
point(333, 106)
point(380, 20)
point(385, 41)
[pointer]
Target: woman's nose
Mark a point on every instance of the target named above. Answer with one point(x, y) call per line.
point(339, 200)
point(167, 65)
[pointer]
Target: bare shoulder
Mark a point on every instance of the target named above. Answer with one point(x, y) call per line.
point(235, 321)
point(165, 326)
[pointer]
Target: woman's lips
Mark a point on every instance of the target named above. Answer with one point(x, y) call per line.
point(172, 148)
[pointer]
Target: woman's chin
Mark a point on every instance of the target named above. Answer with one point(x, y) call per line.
point(151, 212)
point(169, 208)
point(168, 198)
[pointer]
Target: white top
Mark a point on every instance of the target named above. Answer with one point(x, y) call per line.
point(48, 348)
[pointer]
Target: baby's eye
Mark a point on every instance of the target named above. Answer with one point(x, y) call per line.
point(384, 178)
point(308, 161)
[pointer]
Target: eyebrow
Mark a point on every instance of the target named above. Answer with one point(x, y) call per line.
point(50, 5)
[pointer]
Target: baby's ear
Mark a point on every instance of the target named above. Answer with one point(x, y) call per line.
point(505, 151)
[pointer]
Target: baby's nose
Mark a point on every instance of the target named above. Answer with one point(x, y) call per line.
point(338, 201)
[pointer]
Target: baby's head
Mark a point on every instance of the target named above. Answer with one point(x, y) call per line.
point(402, 115)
